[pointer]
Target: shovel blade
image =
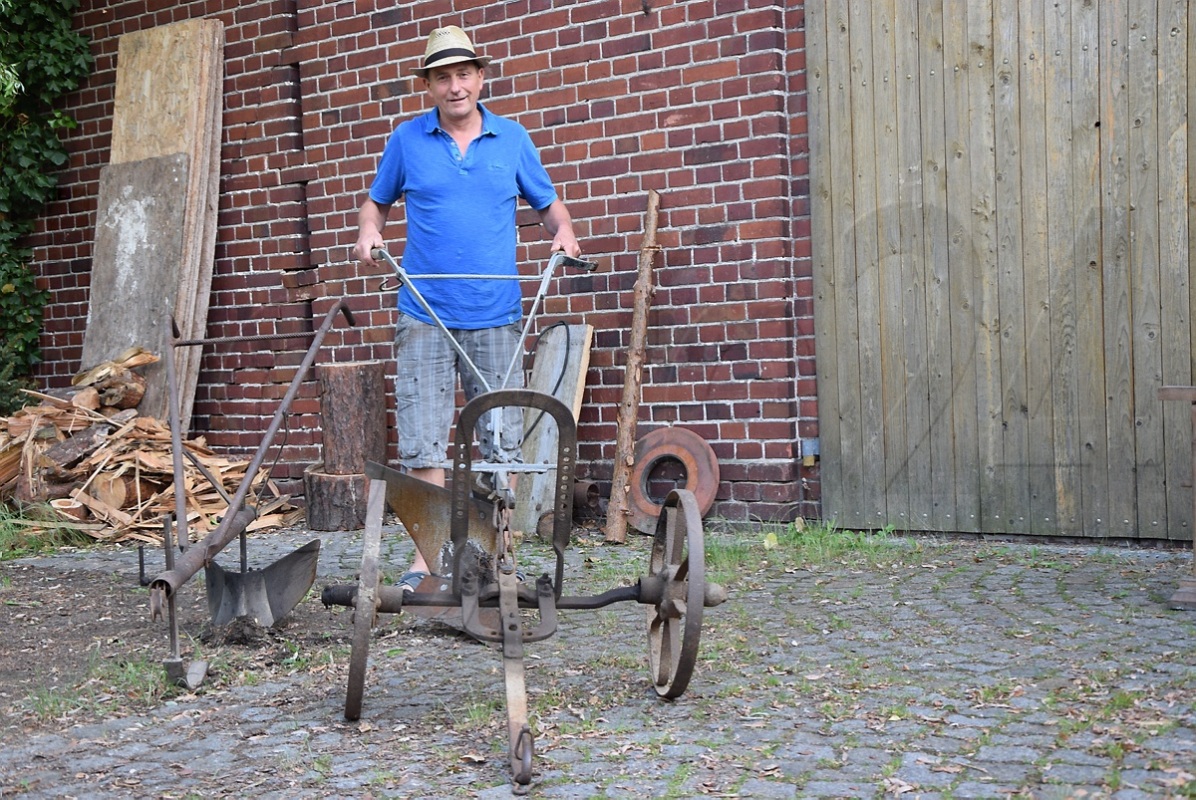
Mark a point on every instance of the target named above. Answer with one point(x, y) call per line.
point(263, 595)
point(187, 676)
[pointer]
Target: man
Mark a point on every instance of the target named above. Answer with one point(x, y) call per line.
point(460, 170)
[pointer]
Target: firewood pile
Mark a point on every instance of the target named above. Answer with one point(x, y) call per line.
point(109, 472)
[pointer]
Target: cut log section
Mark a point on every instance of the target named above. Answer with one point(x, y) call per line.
point(334, 502)
point(353, 413)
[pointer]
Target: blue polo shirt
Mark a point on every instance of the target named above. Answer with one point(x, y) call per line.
point(461, 214)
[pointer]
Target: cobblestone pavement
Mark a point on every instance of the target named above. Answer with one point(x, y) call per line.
point(959, 669)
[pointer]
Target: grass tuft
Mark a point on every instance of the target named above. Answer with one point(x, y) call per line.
point(802, 545)
point(34, 530)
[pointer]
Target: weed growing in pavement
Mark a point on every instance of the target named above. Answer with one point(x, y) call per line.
point(34, 530)
point(296, 661)
point(107, 688)
point(802, 545)
point(676, 784)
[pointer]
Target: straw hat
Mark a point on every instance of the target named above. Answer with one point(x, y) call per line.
point(448, 45)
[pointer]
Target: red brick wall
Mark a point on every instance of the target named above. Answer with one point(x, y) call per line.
point(702, 101)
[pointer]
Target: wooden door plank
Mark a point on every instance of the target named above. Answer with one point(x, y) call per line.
point(1145, 301)
point(889, 284)
point(1011, 259)
point(850, 511)
point(963, 257)
point(1089, 356)
point(917, 454)
point(1039, 473)
point(1115, 242)
point(1061, 251)
point(867, 264)
point(1174, 260)
point(946, 511)
point(822, 245)
point(980, 77)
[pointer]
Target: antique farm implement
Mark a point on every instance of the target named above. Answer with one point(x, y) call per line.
point(472, 550)
point(264, 595)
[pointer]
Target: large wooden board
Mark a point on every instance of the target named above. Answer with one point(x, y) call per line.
point(138, 248)
point(169, 86)
point(562, 357)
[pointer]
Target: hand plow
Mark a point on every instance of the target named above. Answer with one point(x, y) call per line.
point(479, 584)
point(264, 595)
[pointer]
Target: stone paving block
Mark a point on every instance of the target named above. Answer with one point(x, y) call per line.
point(837, 789)
point(768, 790)
point(1073, 774)
point(979, 790)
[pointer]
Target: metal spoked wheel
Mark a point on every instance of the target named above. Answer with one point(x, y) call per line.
point(365, 609)
point(675, 623)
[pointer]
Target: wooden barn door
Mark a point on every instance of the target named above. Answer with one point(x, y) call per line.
point(1001, 237)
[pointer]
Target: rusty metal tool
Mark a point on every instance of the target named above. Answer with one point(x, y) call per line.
point(477, 576)
point(267, 594)
point(485, 590)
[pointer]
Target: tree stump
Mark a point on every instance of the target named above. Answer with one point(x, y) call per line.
point(353, 415)
point(334, 502)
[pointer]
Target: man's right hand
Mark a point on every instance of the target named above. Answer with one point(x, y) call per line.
point(363, 251)
point(370, 221)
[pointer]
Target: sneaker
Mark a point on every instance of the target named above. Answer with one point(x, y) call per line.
point(411, 579)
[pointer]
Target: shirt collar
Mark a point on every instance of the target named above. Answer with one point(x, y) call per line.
point(433, 122)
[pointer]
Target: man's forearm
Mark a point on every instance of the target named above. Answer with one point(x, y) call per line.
point(371, 221)
point(559, 223)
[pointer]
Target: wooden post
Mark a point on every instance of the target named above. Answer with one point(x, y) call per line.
point(353, 415)
point(618, 510)
point(1185, 595)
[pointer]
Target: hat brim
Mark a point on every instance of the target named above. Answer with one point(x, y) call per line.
point(422, 72)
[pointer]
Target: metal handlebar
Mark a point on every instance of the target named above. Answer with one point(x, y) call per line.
point(558, 257)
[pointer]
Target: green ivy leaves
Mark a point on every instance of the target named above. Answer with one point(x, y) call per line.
point(41, 60)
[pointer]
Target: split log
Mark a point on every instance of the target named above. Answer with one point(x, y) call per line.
point(118, 467)
point(69, 452)
point(88, 397)
point(123, 389)
point(353, 413)
point(334, 502)
point(69, 508)
point(619, 508)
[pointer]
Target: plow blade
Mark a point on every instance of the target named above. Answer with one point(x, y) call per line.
point(426, 512)
point(263, 595)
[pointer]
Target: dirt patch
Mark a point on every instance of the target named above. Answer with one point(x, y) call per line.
point(80, 646)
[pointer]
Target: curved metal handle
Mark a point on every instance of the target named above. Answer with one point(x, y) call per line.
point(558, 257)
